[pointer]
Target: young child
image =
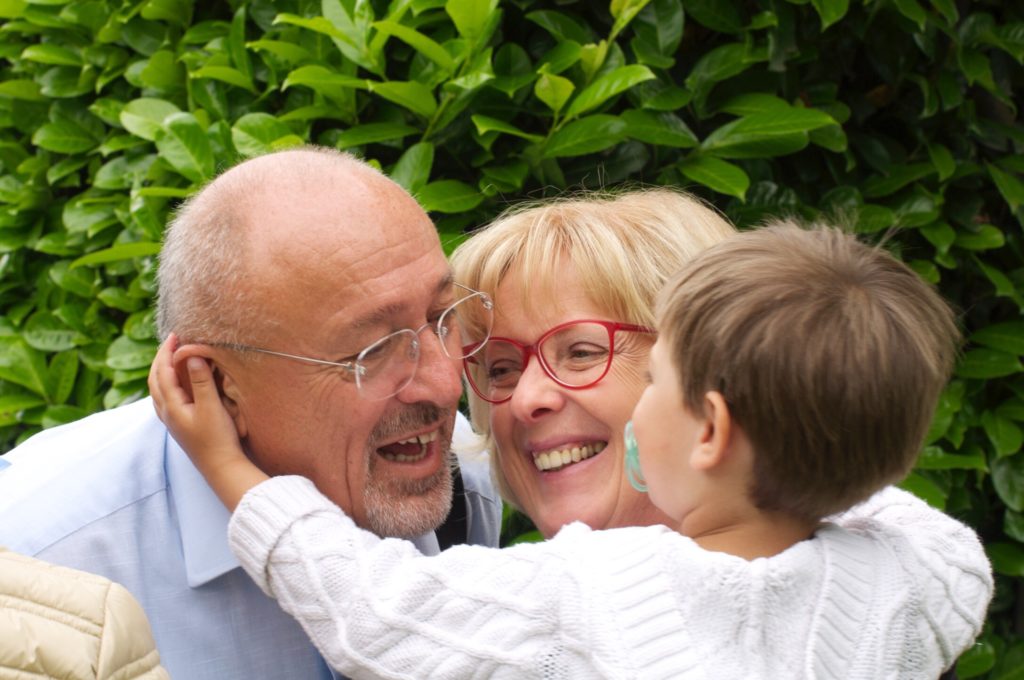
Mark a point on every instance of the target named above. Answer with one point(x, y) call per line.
point(794, 376)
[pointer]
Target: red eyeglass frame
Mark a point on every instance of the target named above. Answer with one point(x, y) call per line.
point(531, 350)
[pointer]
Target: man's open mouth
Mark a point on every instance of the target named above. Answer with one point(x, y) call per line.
point(408, 450)
point(556, 459)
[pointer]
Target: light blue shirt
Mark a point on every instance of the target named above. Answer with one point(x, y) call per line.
point(115, 495)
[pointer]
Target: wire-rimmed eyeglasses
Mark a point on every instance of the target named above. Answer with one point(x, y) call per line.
point(576, 354)
point(388, 365)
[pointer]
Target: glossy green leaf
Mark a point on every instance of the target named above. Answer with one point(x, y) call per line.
point(874, 218)
point(448, 196)
point(830, 11)
point(174, 11)
point(772, 133)
point(317, 24)
point(122, 251)
point(64, 136)
point(984, 237)
point(412, 95)
point(624, 12)
point(560, 26)
point(258, 133)
point(1011, 188)
point(1007, 336)
point(719, 175)
point(48, 53)
point(940, 235)
point(1005, 435)
point(988, 363)
point(370, 133)
point(471, 17)
point(751, 103)
point(553, 90)
point(22, 365)
point(323, 79)
point(506, 177)
point(722, 16)
point(934, 458)
point(485, 124)
point(412, 171)
point(44, 331)
point(943, 161)
point(949, 11)
point(1007, 558)
point(719, 64)
point(127, 354)
point(12, 404)
point(237, 46)
point(60, 377)
point(145, 117)
point(185, 146)
point(925, 489)
point(586, 135)
point(419, 42)
point(21, 89)
point(898, 177)
point(282, 49)
point(981, 656)
point(607, 86)
point(660, 129)
point(659, 31)
point(225, 74)
point(163, 72)
point(912, 10)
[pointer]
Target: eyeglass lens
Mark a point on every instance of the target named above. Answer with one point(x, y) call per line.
point(389, 365)
point(577, 355)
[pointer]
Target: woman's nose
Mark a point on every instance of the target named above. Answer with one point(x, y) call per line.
point(535, 394)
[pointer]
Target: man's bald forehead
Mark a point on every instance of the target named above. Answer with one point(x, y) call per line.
point(288, 172)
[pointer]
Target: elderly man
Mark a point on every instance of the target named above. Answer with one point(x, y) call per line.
point(325, 306)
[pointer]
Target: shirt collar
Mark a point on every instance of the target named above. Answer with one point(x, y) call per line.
point(202, 520)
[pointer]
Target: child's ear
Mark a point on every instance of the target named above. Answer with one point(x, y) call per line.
point(226, 385)
point(715, 432)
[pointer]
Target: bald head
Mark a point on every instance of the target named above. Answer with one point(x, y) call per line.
point(257, 222)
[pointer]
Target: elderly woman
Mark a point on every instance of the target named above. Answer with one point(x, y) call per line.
point(574, 283)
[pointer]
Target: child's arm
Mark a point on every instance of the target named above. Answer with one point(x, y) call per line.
point(377, 607)
point(202, 427)
point(958, 583)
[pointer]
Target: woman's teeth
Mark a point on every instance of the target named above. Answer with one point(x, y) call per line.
point(557, 459)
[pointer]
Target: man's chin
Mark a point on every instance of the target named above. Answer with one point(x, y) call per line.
point(403, 512)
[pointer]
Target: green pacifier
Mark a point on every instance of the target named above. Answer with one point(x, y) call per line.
point(633, 470)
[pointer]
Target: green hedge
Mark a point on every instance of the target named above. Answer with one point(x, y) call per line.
point(897, 116)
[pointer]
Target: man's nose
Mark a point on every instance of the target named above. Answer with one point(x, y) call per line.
point(438, 376)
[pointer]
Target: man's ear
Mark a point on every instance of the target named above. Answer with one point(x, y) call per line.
point(715, 435)
point(226, 385)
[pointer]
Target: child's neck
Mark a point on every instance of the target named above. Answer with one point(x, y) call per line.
point(754, 534)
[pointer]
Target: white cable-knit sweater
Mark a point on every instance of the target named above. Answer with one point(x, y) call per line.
point(891, 589)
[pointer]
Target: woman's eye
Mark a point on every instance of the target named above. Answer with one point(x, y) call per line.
point(586, 352)
point(503, 372)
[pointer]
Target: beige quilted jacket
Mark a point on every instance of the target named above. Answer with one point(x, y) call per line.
point(70, 625)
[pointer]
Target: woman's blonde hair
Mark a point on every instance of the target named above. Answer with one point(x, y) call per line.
point(623, 246)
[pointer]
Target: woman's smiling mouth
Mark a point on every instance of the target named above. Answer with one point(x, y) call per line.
point(556, 459)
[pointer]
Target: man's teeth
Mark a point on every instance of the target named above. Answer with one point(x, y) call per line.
point(421, 439)
point(559, 458)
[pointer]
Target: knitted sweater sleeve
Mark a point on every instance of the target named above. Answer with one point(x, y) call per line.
point(378, 608)
point(943, 558)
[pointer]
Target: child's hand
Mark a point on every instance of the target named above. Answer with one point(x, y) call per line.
point(201, 425)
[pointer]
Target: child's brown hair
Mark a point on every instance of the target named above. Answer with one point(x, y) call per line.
point(830, 354)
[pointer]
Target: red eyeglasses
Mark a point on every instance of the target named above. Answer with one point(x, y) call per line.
point(576, 355)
